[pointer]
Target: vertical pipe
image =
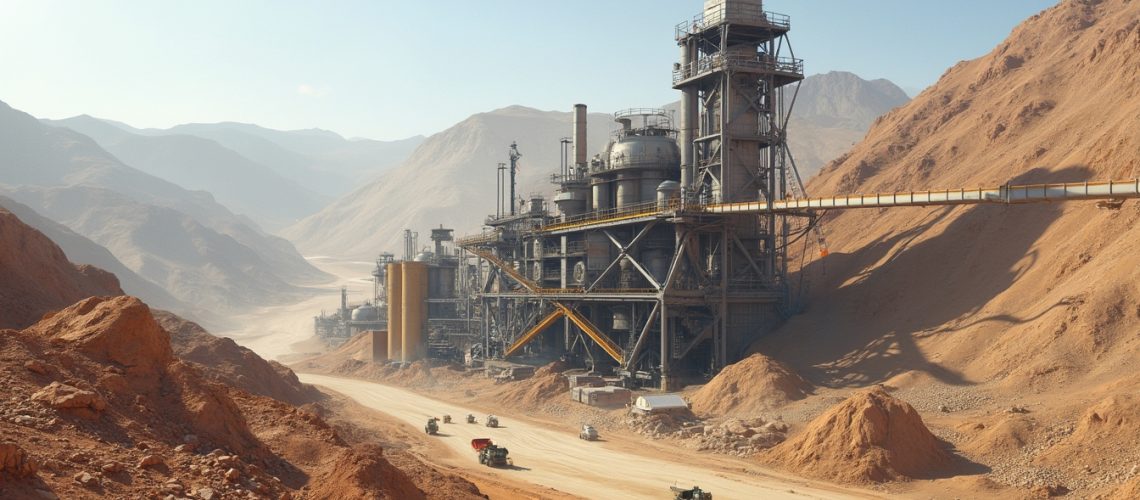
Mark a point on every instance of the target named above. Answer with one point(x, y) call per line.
point(414, 317)
point(666, 337)
point(580, 135)
point(688, 119)
point(395, 311)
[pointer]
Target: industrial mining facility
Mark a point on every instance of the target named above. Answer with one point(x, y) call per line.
point(658, 260)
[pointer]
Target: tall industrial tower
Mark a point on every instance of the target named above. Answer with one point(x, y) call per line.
point(732, 77)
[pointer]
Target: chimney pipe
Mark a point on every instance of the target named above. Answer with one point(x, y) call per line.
point(580, 135)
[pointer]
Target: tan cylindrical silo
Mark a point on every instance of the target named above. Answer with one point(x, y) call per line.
point(379, 346)
point(415, 287)
point(395, 311)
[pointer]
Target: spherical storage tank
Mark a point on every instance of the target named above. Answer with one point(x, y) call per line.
point(365, 313)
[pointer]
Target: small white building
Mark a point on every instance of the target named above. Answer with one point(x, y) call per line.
point(660, 403)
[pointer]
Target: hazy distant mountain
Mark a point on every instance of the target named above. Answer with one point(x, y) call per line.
point(449, 180)
point(65, 176)
point(833, 112)
point(193, 162)
point(168, 247)
point(319, 160)
point(81, 250)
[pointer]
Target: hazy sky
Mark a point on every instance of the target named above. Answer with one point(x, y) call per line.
point(390, 69)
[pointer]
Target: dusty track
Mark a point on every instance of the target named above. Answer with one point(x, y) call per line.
point(560, 461)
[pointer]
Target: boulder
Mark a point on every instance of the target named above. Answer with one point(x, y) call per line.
point(66, 397)
point(15, 462)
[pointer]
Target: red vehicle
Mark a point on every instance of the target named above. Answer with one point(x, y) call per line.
point(490, 454)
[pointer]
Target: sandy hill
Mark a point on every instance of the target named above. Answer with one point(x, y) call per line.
point(449, 179)
point(65, 176)
point(81, 250)
point(991, 292)
point(832, 113)
point(980, 308)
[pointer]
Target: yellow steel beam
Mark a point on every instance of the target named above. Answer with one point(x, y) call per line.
point(592, 331)
point(510, 270)
point(533, 332)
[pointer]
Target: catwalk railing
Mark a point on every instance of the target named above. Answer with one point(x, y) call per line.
point(1007, 194)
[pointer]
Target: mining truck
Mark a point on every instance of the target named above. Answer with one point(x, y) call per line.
point(589, 433)
point(490, 454)
point(431, 427)
point(694, 493)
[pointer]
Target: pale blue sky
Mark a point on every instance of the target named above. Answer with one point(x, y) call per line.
point(391, 69)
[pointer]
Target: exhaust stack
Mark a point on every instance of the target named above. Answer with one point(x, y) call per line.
point(580, 135)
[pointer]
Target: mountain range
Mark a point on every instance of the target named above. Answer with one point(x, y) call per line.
point(274, 177)
point(450, 178)
point(184, 241)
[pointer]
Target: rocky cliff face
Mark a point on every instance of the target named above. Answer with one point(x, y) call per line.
point(36, 277)
point(103, 401)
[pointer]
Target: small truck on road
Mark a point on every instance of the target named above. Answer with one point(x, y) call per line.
point(490, 454)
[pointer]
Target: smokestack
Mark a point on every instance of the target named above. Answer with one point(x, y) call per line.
point(580, 135)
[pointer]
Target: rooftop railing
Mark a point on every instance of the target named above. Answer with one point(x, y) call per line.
point(760, 63)
point(752, 15)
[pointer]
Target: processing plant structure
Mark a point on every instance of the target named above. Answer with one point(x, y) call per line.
point(664, 256)
point(624, 271)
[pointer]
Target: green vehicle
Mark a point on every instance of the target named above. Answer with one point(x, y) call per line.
point(490, 454)
point(695, 493)
point(432, 427)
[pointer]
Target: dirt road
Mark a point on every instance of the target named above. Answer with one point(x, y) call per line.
point(560, 461)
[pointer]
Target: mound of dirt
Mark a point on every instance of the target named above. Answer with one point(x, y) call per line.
point(1127, 491)
point(36, 277)
point(1101, 448)
point(234, 365)
point(547, 384)
point(130, 420)
point(416, 374)
point(869, 438)
point(363, 473)
point(750, 387)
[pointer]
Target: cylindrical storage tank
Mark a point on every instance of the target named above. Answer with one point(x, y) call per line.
point(627, 189)
point(379, 346)
point(601, 196)
point(657, 151)
point(446, 279)
point(647, 188)
point(666, 191)
point(395, 311)
point(414, 311)
point(571, 202)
